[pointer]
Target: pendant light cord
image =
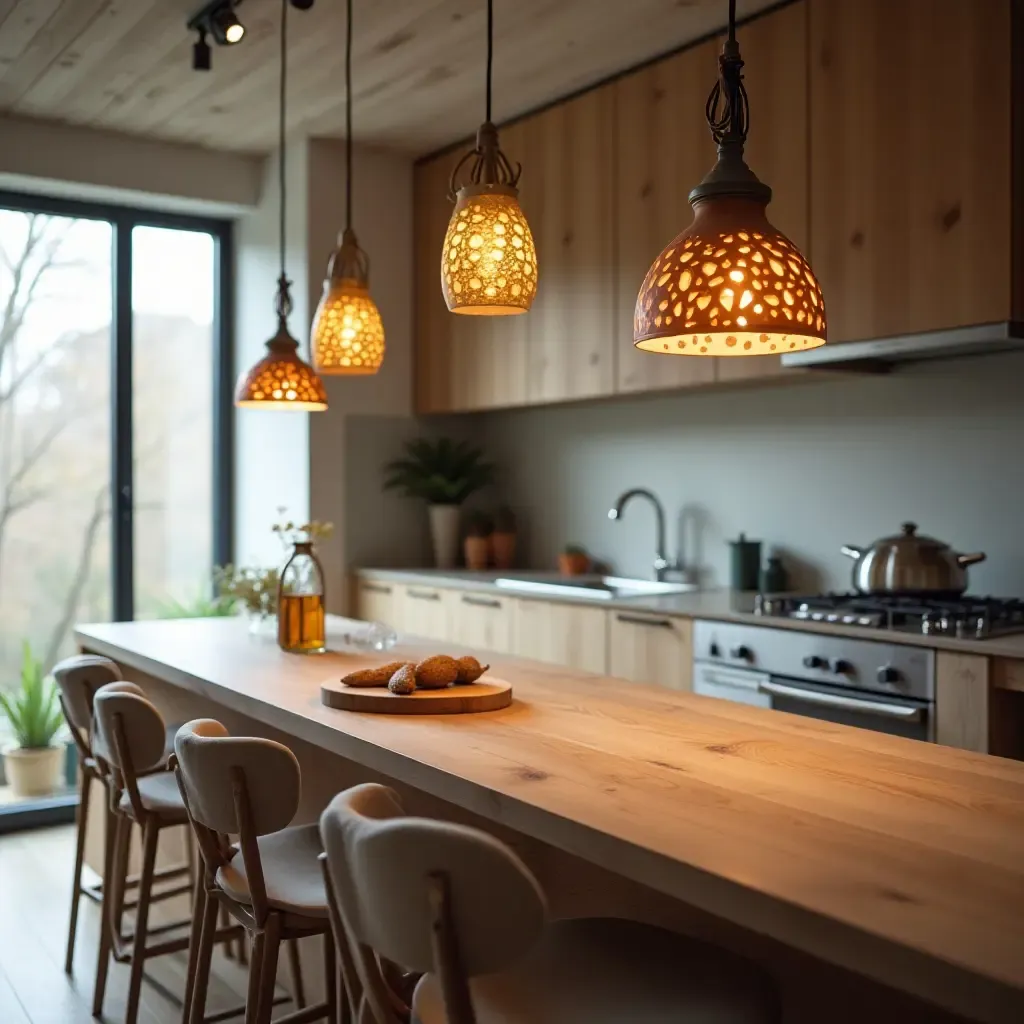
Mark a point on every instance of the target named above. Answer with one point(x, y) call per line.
point(732, 21)
point(728, 109)
point(348, 119)
point(282, 97)
point(490, 53)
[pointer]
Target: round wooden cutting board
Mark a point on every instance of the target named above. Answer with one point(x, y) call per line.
point(487, 694)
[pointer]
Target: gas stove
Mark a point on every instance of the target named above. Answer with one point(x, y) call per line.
point(973, 618)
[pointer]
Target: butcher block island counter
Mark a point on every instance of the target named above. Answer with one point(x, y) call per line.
point(834, 853)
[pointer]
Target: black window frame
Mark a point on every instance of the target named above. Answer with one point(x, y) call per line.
point(123, 218)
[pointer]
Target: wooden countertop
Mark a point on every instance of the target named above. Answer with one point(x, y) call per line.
point(722, 604)
point(900, 860)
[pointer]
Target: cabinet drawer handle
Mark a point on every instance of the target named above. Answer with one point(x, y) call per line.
point(481, 602)
point(424, 595)
point(636, 620)
point(376, 588)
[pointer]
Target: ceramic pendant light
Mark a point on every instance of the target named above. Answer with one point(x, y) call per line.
point(730, 284)
point(282, 379)
point(489, 263)
point(347, 338)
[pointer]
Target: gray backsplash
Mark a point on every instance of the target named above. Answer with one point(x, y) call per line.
point(804, 467)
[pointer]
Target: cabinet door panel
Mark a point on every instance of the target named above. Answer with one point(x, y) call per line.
point(483, 621)
point(377, 601)
point(651, 649)
point(910, 163)
point(426, 611)
point(562, 634)
point(568, 200)
point(664, 148)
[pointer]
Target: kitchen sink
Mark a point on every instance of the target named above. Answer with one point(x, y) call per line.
point(594, 588)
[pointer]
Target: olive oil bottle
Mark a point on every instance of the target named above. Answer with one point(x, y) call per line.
point(300, 604)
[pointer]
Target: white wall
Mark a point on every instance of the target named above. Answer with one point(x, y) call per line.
point(805, 468)
point(89, 163)
point(272, 461)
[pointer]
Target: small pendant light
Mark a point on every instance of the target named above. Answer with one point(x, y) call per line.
point(730, 284)
point(282, 379)
point(488, 264)
point(347, 337)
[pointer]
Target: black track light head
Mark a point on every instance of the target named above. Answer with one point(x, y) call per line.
point(201, 53)
point(302, 5)
point(225, 26)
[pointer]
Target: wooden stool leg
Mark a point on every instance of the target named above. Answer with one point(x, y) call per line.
point(268, 968)
point(330, 978)
point(252, 998)
point(84, 789)
point(111, 844)
point(197, 1010)
point(194, 938)
point(295, 969)
point(150, 834)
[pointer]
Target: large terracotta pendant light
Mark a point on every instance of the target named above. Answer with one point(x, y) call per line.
point(488, 264)
point(730, 284)
point(282, 379)
point(347, 337)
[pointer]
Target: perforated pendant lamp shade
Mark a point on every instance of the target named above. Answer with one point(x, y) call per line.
point(347, 337)
point(488, 262)
point(282, 379)
point(730, 284)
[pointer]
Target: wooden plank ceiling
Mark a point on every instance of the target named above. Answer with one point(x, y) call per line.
point(418, 64)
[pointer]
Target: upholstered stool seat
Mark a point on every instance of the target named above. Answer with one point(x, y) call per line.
point(159, 795)
point(291, 872)
point(609, 972)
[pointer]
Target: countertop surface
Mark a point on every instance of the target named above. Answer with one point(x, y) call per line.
point(900, 860)
point(724, 605)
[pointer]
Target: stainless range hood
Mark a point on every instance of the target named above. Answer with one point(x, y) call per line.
point(881, 354)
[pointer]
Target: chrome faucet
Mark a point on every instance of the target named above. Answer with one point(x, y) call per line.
point(661, 562)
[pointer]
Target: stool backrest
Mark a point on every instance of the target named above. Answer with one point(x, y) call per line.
point(128, 734)
point(78, 678)
point(242, 785)
point(429, 895)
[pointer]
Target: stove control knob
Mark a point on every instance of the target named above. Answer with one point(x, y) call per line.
point(715, 651)
point(741, 653)
point(888, 675)
point(813, 661)
point(840, 667)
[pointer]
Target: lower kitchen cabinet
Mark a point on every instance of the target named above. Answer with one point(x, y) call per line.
point(650, 648)
point(482, 620)
point(563, 634)
point(377, 601)
point(425, 611)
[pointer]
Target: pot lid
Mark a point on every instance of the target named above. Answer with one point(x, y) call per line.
point(910, 538)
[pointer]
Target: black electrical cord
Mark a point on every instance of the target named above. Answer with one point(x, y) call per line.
point(732, 21)
point(281, 125)
point(348, 119)
point(490, 53)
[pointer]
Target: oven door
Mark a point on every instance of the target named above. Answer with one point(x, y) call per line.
point(900, 716)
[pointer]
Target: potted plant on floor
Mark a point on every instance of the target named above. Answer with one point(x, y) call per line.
point(444, 473)
point(33, 767)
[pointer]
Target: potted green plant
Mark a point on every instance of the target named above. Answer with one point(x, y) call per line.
point(443, 473)
point(477, 543)
point(574, 560)
point(503, 539)
point(33, 767)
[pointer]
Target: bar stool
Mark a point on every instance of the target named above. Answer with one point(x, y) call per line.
point(129, 741)
point(271, 883)
point(78, 679)
point(459, 905)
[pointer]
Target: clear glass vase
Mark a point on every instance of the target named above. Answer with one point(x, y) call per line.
point(300, 603)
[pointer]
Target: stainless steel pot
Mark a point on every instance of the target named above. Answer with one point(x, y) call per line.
point(909, 564)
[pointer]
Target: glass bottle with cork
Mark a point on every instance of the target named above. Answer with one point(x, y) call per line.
point(301, 598)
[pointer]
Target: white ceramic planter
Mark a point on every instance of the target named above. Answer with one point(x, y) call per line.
point(33, 772)
point(444, 534)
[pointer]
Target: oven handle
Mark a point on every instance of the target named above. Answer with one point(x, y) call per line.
point(832, 700)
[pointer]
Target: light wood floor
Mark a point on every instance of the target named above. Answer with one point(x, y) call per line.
point(35, 895)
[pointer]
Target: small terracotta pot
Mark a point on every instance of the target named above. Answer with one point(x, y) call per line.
point(573, 563)
point(503, 550)
point(477, 551)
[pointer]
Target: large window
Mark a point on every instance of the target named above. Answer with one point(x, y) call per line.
point(114, 420)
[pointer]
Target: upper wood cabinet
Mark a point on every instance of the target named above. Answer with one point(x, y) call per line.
point(664, 148)
point(910, 163)
point(568, 197)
